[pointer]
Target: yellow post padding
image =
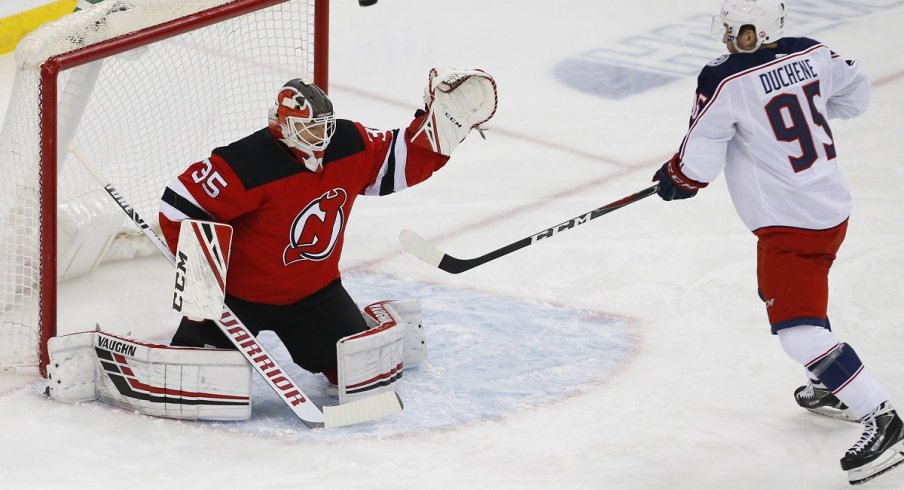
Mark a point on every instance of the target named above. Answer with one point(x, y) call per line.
point(15, 27)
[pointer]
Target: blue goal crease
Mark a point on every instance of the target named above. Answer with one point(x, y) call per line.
point(488, 357)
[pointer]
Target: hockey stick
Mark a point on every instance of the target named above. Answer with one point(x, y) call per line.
point(422, 249)
point(311, 415)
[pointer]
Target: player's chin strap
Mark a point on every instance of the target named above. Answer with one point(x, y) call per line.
point(456, 101)
point(741, 50)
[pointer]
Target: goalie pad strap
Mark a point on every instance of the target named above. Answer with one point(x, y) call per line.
point(159, 380)
point(370, 362)
point(414, 340)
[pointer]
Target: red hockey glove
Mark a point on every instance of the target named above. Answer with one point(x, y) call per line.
point(673, 184)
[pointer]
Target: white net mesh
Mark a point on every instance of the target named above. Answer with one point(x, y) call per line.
point(142, 116)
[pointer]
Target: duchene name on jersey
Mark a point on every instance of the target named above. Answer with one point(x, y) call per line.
point(787, 75)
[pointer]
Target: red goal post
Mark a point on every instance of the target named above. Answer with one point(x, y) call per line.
point(145, 87)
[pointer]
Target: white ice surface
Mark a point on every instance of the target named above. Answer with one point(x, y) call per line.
point(631, 352)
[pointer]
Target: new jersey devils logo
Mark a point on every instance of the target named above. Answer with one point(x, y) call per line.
point(316, 229)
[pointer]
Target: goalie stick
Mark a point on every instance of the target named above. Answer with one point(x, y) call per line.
point(422, 249)
point(311, 415)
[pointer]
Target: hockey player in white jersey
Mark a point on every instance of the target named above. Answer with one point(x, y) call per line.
point(761, 116)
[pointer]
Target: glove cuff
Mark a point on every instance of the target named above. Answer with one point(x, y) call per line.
point(682, 181)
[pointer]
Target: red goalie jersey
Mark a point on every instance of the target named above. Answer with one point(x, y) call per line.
point(289, 222)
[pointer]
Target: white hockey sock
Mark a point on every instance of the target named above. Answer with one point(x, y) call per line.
point(862, 394)
point(835, 364)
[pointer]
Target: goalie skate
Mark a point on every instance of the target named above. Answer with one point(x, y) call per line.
point(818, 399)
point(879, 449)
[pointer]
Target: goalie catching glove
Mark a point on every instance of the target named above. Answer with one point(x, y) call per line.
point(456, 101)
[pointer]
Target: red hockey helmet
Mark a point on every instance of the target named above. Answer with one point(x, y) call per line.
point(303, 116)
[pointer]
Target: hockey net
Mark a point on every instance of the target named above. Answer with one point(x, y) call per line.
point(144, 88)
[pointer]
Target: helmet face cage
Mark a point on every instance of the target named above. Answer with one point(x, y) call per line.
point(310, 134)
point(305, 117)
point(766, 16)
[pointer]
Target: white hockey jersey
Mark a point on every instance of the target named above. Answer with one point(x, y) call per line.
point(762, 117)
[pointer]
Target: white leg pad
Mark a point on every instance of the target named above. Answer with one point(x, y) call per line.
point(159, 380)
point(415, 338)
point(370, 362)
point(72, 372)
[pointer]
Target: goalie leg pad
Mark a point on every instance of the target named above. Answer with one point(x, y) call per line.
point(72, 372)
point(370, 362)
point(414, 340)
point(159, 380)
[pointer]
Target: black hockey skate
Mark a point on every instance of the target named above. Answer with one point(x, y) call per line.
point(818, 399)
point(880, 448)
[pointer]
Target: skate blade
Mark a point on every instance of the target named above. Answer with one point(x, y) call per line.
point(834, 413)
point(892, 457)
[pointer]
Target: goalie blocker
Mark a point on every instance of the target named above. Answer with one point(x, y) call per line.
point(202, 258)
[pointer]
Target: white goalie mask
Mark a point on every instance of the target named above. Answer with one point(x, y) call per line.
point(303, 118)
point(766, 16)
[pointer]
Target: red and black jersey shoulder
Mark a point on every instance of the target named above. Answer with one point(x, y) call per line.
point(259, 158)
point(347, 141)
